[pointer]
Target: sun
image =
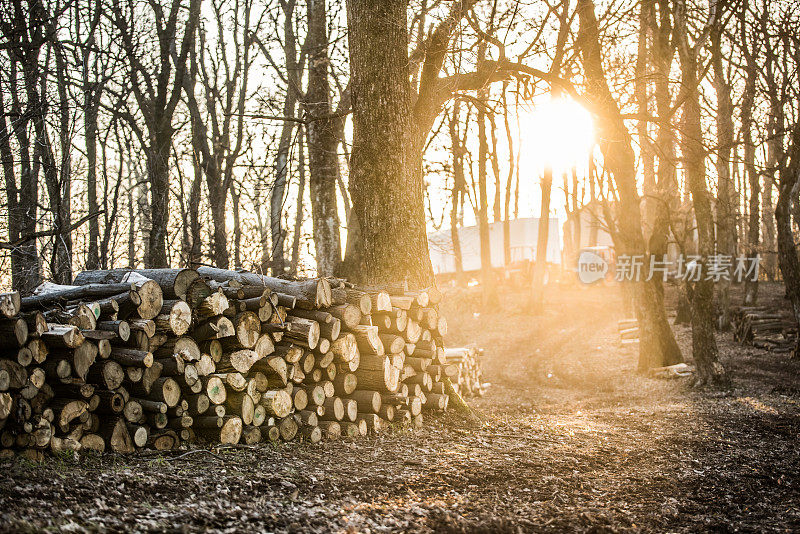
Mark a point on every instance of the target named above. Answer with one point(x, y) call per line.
point(557, 132)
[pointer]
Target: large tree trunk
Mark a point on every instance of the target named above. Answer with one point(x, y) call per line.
point(657, 345)
point(704, 346)
point(386, 166)
point(322, 144)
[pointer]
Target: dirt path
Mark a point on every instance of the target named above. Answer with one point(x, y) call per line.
point(573, 439)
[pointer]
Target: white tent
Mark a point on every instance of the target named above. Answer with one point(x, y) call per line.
point(524, 234)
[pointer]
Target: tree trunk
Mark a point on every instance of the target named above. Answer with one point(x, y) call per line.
point(90, 132)
point(386, 163)
point(22, 200)
point(657, 345)
point(753, 220)
point(642, 101)
point(509, 180)
point(704, 346)
point(726, 230)
point(540, 262)
point(277, 233)
point(487, 273)
point(459, 186)
point(323, 158)
point(158, 177)
point(787, 248)
point(298, 218)
point(237, 228)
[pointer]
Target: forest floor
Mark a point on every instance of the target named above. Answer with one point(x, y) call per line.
point(573, 439)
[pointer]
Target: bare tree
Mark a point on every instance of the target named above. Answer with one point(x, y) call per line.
point(657, 344)
point(222, 68)
point(704, 345)
point(156, 84)
point(323, 160)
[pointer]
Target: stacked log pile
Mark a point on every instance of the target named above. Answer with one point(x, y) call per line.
point(469, 376)
point(154, 358)
point(628, 331)
point(767, 328)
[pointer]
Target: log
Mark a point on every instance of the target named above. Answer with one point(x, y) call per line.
point(392, 344)
point(366, 400)
point(349, 315)
point(331, 430)
point(212, 347)
point(240, 360)
point(131, 357)
point(231, 430)
point(185, 347)
point(173, 282)
point(150, 300)
point(315, 393)
point(288, 428)
point(66, 410)
point(368, 340)
point(241, 404)
point(311, 293)
point(251, 435)
point(373, 422)
point(214, 328)
point(214, 304)
point(386, 380)
point(312, 434)
point(37, 324)
point(345, 348)
point(360, 299)
point(10, 304)
point(387, 411)
point(299, 398)
point(334, 409)
point(13, 333)
point(274, 367)
point(304, 330)
point(277, 402)
point(62, 336)
point(247, 329)
point(164, 389)
point(175, 317)
point(65, 294)
point(214, 388)
point(287, 351)
point(106, 373)
point(287, 301)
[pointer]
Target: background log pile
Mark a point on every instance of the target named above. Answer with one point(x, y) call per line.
point(764, 327)
point(628, 331)
point(154, 358)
